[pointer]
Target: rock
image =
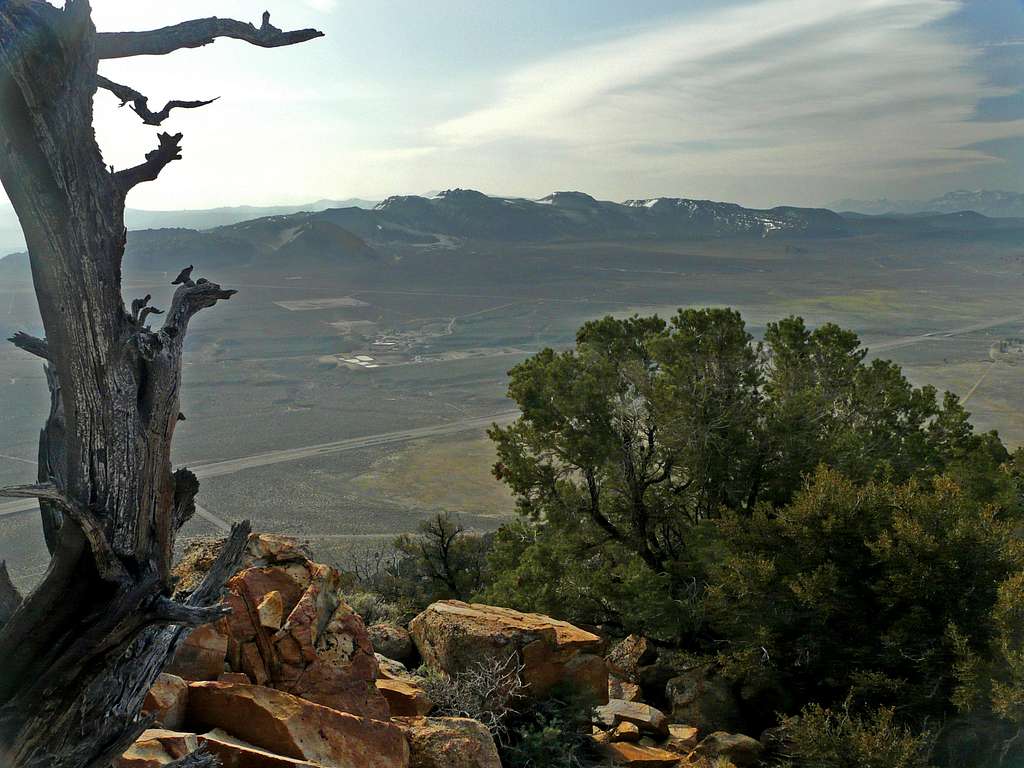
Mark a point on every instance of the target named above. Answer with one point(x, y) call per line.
point(234, 677)
point(167, 699)
point(404, 697)
point(735, 747)
point(452, 636)
point(261, 550)
point(626, 658)
point(286, 725)
point(156, 747)
point(289, 629)
point(704, 699)
point(264, 549)
point(271, 610)
point(621, 689)
point(392, 641)
point(623, 753)
point(681, 738)
point(235, 753)
point(201, 656)
point(449, 742)
point(625, 732)
point(391, 668)
point(618, 711)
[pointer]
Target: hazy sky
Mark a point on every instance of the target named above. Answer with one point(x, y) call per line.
point(773, 101)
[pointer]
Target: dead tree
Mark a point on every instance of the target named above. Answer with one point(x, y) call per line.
point(78, 654)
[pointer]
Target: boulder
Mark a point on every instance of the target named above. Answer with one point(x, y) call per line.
point(622, 689)
point(625, 732)
point(202, 654)
point(235, 753)
point(157, 747)
point(391, 668)
point(289, 629)
point(640, 756)
point(449, 742)
point(682, 738)
point(287, 725)
point(404, 697)
point(646, 717)
point(167, 700)
point(738, 749)
point(234, 677)
point(392, 641)
point(261, 550)
point(627, 657)
point(703, 698)
point(453, 636)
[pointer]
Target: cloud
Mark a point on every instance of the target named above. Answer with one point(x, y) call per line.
point(863, 88)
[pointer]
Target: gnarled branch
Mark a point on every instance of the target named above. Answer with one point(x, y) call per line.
point(140, 104)
point(10, 598)
point(168, 150)
point(188, 299)
point(198, 759)
point(33, 344)
point(186, 486)
point(195, 34)
point(167, 611)
point(108, 564)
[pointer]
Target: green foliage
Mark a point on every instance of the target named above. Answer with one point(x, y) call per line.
point(553, 733)
point(856, 586)
point(822, 738)
point(631, 442)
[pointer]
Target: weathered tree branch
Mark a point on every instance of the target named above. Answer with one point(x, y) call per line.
point(195, 34)
point(186, 486)
point(140, 103)
point(188, 299)
point(10, 598)
point(168, 150)
point(108, 564)
point(31, 344)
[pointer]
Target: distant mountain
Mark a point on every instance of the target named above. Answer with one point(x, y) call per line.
point(992, 203)
point(201, 218)
point(353, 235)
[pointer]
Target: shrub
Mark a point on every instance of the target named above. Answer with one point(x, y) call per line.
point(823, 738)
point(554, 733)
point(487, 691)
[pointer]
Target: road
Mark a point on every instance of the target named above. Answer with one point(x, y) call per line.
point(230, 466)
point(906, 341)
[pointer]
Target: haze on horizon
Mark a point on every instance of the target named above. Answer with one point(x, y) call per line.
point(759, 102)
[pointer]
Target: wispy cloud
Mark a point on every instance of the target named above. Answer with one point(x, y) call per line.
point(322, 5)
point(863, 88)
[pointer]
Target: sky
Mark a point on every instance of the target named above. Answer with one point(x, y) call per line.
point(761, 102)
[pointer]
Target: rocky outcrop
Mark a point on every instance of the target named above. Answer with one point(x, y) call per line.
point(452, 636)
point(703, 698)
point(167, 700)
point(288, 629)
point(626, 659)
point(738, 749)
point(157, 747)
point(449, 742)
point(287, 725)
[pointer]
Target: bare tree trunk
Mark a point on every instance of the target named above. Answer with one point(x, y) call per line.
point(79, 653)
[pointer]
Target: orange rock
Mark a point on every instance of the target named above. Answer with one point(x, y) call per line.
point(289, 629)
point(682, 738)
point(201, 656)
point(449, 742)
point(167, 699)
point(234, 677)
point(453, 636)
point(286, 725)
point(271, 610)
point(405, 698)
point(623, 753)
point(618, 711)
point(235, 753)
point(622, 689)
point(155, 748)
